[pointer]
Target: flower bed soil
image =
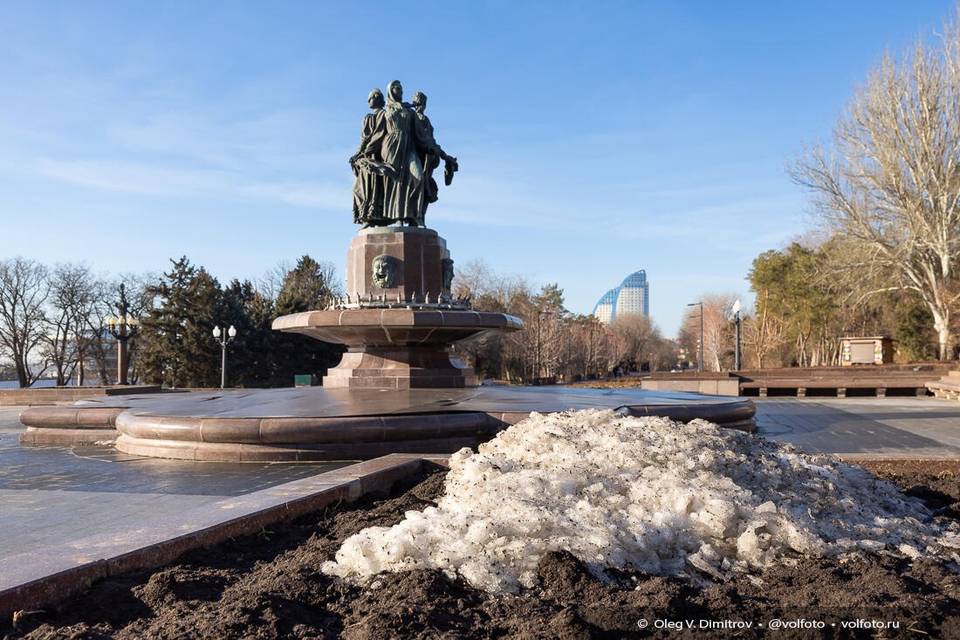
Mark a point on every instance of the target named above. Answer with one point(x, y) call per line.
point(270, 586)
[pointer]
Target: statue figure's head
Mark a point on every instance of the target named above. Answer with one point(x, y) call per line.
point(386, 271)
point(419, 101)
point(375, 99)
point(395, 91)
point(447, 265)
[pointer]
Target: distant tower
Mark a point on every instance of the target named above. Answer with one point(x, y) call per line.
point(632, 297)
point(604, 309)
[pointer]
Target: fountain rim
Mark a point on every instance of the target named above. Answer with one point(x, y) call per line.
point(392, 318)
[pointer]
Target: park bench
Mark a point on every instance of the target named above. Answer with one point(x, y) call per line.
point(841, 381)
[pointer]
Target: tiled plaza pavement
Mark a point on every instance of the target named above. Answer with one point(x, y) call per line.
point(865, 428)
point(50, 496)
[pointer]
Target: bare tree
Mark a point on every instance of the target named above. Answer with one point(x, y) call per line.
point(23, 293)
point(717, 331)
point(891, 186)
point(58, 345)
point(271, 282)
point(488, 289)
point(76, 305)
point(512, 355)
point(663, 354)
point(635, 338)
point(718, 338)
point(762, 333)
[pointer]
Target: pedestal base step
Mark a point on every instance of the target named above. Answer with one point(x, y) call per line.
point(394, 379)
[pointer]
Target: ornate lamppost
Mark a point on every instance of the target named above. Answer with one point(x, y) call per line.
point(122, 327)
point(223, 339)
point(735, 317)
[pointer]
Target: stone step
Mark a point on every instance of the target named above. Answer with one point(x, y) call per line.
point(946, 391)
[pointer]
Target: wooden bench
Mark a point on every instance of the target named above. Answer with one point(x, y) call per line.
point(842, 379)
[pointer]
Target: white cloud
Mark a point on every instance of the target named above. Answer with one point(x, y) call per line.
point(160, 181)
point(285, 139)
point(135, 178)
point(303, 194)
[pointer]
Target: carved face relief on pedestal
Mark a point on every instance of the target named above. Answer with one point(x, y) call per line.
point(447, 274)
point(386, 271)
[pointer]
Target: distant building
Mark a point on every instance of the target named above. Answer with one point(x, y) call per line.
point(632, 297)
point(604, 309)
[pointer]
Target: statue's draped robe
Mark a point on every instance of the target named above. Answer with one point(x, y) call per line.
point(405, 142)
point(368, 185)
point(431, 160)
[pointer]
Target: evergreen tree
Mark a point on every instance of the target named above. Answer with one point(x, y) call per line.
point(550, 299)
point(177, 347)
point(251, 361)
point(202, 353)
point(160, 357)
point(917, 339)
point(304, 289)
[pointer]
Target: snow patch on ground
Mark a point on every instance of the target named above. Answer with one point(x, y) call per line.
point(648, 494)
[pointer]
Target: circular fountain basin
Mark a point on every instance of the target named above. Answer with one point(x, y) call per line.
point(316, 423)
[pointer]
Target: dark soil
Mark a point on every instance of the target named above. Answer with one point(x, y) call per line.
point(936, 482)
point(270, 586)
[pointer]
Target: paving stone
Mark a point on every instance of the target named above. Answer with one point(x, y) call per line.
point(53, 496)
point(866, 428)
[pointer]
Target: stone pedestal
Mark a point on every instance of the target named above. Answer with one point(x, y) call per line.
point(397, 367)
point(399, 263)
point(398, 321)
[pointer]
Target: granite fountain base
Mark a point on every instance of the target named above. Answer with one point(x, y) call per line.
point(396, 390)
point(315, 423)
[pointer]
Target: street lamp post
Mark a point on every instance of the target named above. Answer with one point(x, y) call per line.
point(223, 340)
point(589, 366)
point(122, 327)
point(536, 372)
point(700, 346)
point(736, 323)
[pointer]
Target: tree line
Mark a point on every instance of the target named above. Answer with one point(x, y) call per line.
point(801, 312)
point(555, 345)
point(887, 190)
point(882, 256)
point(57, 322)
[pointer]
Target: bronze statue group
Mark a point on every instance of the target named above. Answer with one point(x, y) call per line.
point(395, 162)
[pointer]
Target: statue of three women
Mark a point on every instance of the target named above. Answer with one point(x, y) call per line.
point(395, 162)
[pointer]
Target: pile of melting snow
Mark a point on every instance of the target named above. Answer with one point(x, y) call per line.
point(647, 494)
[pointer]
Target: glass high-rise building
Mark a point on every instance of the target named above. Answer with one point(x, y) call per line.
point(632, 297)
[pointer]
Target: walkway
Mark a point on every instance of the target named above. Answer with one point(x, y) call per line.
point(865, 428)
point(50, 496)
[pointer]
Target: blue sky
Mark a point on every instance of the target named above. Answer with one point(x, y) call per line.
point(594, 139)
